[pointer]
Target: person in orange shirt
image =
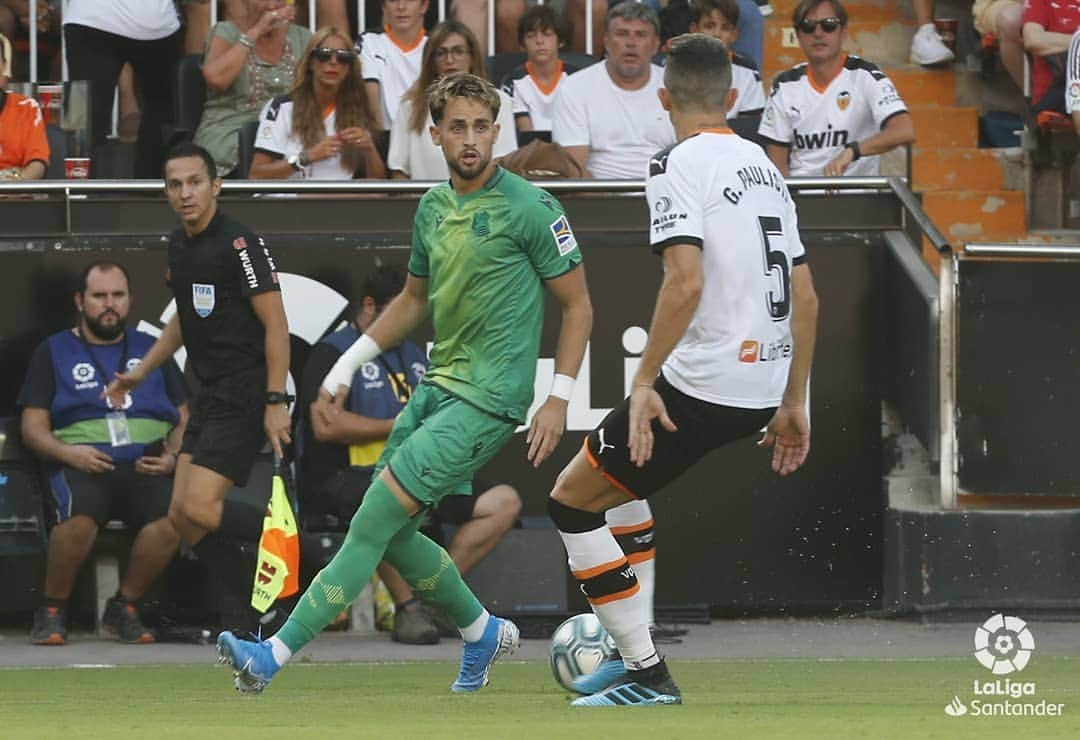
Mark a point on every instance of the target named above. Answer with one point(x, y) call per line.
point(24, 150)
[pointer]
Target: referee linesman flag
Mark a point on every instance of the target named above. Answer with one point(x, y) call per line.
point(278, 571)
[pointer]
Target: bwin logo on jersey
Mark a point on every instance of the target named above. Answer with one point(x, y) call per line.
point(828, 138)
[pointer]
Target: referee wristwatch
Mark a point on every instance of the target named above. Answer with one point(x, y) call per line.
point(273, 398)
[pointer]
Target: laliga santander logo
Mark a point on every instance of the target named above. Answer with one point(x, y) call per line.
point(1003, 644)
point(311, 308)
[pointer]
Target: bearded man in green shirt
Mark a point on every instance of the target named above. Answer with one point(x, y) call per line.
point(485, 244)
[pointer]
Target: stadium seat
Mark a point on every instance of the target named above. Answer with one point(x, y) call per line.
point(246, 152)
point(190, 95)
point(22, 522)
point(58, 140)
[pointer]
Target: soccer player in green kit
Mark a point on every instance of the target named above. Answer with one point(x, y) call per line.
point(484, 246)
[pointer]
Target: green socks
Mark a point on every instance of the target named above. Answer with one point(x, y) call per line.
point(433, 576)
point(379, 518)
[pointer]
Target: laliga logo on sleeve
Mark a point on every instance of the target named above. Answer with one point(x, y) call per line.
point(1003, 644)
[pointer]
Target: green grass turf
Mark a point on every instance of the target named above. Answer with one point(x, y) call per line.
point(738, 699)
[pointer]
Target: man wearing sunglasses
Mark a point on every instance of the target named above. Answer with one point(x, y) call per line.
point(834, 114)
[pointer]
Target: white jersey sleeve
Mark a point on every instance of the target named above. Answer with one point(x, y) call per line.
point(400, 135)
point(274, 127)
point(775, 124)
point(1072, 76)
point(570, 120)
point(507, 141)
point(885, 101)
point(675, 204)
point(371, 63)
point(747, 80)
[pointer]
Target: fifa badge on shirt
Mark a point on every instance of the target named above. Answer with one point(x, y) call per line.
point(564, 237)
point(202, 298)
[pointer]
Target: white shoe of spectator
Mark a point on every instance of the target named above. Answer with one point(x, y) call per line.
point(928, 49)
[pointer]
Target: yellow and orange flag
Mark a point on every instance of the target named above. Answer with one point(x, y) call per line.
point(278, 571)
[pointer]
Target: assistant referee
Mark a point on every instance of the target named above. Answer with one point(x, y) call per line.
point(231, 319)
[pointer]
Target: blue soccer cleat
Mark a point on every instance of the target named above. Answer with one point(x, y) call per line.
point(500, 638)
point(252, 662)
point(607, 673)
point(652, 686)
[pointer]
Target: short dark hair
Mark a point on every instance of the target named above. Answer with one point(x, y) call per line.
point(186, 149)
point(729, 9)
point(104, 266)
point(632, 12)
point(803, 9)
point(383, 283)
point(542, 18)
point(697, 73)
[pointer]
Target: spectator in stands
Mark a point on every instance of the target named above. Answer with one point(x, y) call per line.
point(608, 116)
point(323, 129)
point(343, 13)
point(1048, 26)
point(413, 155)
point(1001, 19)
point(833, 114)
point(391, 59)
point(197, 21)
point(101, 35)
point(674, 18)
point(340, 450)
point(720, 19)
point(927, 46)
point(1072, 82)
point(5, 59)
point(532, 85)
point(24, 148)
point(245, 66)
point(102, 462)
point(15, 25)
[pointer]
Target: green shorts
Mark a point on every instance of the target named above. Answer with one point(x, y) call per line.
point(439, 442)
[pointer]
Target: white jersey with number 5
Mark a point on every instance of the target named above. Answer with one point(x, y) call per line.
point(720, 192)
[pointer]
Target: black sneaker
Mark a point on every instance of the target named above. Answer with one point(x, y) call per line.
point(667, 634)
point(412, 627)
point(652, 686)
point(441, 620)
point(122, 619)
point(49, 626)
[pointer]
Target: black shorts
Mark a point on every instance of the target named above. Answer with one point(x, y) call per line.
point(343, 493)
point(702, 427)
point(134, 498)
point(225, 432)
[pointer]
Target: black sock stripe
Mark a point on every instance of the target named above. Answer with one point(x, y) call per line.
point(641, 541)
point(616, 580)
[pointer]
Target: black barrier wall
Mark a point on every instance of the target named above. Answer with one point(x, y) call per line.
point(730, 533)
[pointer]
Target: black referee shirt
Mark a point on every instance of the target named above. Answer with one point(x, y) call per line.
point(213, 275)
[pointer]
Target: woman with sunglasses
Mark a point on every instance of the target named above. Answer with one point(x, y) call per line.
point(451, 49)
point(322, 130)
point(245, 65)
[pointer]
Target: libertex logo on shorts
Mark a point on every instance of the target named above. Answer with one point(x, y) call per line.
point(1003, 646)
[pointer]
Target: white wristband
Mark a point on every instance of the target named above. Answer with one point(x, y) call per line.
point(562, 386)
point(362, 350)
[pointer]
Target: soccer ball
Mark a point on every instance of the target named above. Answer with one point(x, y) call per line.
point(578, 647)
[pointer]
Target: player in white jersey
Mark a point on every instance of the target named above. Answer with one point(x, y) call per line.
point(391, 59)
point(729, 351)
point(1072, 81)
point(833, 114)
point(720, 19)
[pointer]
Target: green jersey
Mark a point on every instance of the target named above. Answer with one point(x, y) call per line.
point(485, 256)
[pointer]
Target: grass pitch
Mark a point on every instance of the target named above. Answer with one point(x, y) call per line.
point(734, 698)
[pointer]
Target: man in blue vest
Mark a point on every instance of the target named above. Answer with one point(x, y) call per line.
point(103, 462)
point(339, 452)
